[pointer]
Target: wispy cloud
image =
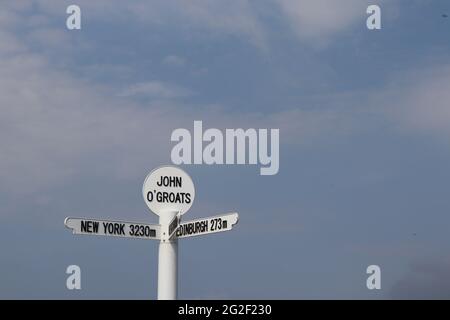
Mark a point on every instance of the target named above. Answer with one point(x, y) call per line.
point(174, 60)
point(156, 90)
point(321, 19)
point(417, 101)
point(313, 21)
point(233, 17)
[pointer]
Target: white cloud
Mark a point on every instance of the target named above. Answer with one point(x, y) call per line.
point(314, 21)
point(232, 17)
point(51, 38)
point(155, 90)
point(9, 44)
point(319, 20)
point(174, 60)
point(418, 101)
point(54, 126)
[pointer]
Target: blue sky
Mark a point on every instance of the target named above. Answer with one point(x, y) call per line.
point(364, 145)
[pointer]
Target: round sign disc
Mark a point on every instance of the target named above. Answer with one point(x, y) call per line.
point(168, 188)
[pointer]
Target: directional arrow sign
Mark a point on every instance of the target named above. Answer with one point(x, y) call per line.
point(207, 225)
point(113, 228)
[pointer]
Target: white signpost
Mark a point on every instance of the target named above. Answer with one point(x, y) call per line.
point(169, 193)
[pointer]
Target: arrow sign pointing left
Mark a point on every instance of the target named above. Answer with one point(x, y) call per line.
point(113, 228)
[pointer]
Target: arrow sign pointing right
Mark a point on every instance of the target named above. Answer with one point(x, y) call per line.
point(207, 225)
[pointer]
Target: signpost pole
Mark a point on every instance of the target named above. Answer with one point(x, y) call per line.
point(168, 259)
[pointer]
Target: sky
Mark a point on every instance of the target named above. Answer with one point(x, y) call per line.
point(364, 124)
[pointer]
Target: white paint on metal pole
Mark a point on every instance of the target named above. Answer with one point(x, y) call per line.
point(207, 225)
point(125, 229)
point(167, 259)
point(168, 188)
